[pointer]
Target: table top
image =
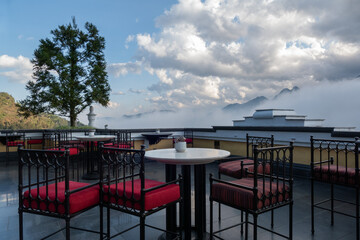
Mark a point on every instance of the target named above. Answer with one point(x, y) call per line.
point(95, 138)
point(192, 156)
point(156, 134)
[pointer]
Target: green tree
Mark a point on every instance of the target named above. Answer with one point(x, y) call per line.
point(69, 73)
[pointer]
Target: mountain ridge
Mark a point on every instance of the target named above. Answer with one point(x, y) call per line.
point(253, 103)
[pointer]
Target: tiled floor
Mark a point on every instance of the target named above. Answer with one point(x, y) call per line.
point(36, 227)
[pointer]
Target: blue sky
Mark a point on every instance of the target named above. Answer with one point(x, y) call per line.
point(24, 23)
point(194, 57)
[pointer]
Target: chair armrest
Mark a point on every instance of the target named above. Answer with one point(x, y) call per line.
point(163, 185)
point(326, 161)
point(230, 184)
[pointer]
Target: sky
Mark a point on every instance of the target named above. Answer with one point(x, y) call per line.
point(178, 63)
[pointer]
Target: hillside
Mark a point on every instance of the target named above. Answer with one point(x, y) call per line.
point(9, 118)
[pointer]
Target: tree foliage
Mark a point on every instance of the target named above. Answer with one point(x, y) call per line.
point(69, 73)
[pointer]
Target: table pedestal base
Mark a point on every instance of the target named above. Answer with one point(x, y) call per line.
point(194, 236)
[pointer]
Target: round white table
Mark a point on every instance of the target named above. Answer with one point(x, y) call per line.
point(198, 157)
point(91, 172)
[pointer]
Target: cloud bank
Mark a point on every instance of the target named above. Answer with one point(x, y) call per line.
point(216, 52)
point(336, 102)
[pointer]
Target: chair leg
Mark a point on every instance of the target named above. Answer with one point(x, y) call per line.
point(255, 227)
point(246, 226)
point(219, 216)
point(357, 214)
point(211, 219)
point(272, 218)
point(142, 228)
point(7, 156)
point(21, 228)
point(291, 220)
point(242, 220)
point(101, 222)
point(108, 222)
point(67, 228)
point(312, 207)
point(332, 204)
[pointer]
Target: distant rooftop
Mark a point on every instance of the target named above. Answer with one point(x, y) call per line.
point(277, 118)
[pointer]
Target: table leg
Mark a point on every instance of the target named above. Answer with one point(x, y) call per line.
point(186, 172)
point(200, 199)
point(91, 174)
point(170, 171)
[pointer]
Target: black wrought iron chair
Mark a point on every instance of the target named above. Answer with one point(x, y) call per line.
point(260, 193)
point(59, 140)
point(13, 139)
point(189, 137)
point(123, 140)
point(124, 188)
point(236, 167)
point(335, 162)
point(47, 188)
point(34, 141)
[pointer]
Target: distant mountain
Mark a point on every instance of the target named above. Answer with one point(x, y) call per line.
point(9, 118)
point(139, 115)
point(286, 91)
point(248, 105)
point(253, 103)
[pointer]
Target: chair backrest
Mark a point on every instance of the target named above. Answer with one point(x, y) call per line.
point(50, 140)
point(124, 138)
point(341, 155)
point(125, 169)
point(261, 142)
point(280, 180)
point(42, 168)
point(14, 137)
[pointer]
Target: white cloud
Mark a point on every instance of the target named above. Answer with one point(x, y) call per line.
point(119, 69)
point(113, 105)
point(137, 91)
point(217, 52)
point(118, 93)
point(17, 69)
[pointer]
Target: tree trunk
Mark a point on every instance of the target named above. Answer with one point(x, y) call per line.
point(73, 120)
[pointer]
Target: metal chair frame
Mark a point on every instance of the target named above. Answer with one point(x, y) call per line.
point(281, 162)
point(12, 140)
point(39, 168)
point(120, 165)
point(261, 142)
point(324, 154)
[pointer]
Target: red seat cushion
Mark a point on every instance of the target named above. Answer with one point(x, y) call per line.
point(14, 143)
point(188, 140)
point(35, 141)
point(153, 199)
point(233, 168)
point(118, 145)
point(73, 151)
point(244, 198)
point(78, 201)
point(334, 174)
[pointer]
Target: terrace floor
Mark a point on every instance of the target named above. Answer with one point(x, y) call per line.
point(36, 227)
